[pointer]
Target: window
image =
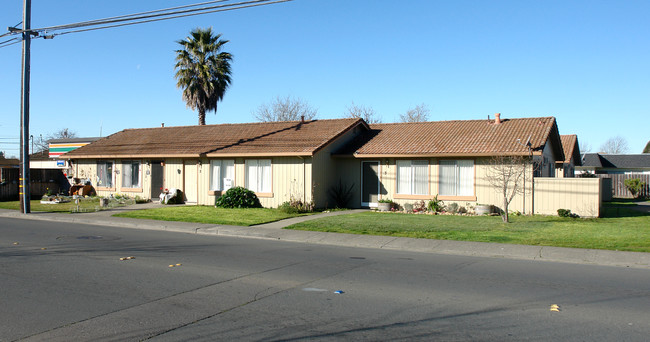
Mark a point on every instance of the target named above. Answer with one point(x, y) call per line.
point(222, 174)
point(105, 174)
point(413, 177)
point(130, 174)
point(258, 175)
point(456, 178)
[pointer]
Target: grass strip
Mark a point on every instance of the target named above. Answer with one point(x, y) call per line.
point(211, 215)
point(630, 232)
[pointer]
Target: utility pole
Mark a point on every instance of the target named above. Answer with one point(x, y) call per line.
point(24, 193)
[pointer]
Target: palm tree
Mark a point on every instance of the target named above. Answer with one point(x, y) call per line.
point(202, 70)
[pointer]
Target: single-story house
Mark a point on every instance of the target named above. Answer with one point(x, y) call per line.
point(601, 163)
point(9, 169)
point(566, 168)
point(308, 160)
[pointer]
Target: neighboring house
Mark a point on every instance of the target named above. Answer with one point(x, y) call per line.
point(46, 166)
point(305, 160)
point(566, 168)
point(597, 163)
point(9, 169)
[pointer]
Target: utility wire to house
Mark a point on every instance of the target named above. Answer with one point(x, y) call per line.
point(135, 18)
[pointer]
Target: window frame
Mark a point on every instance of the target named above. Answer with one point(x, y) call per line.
point(111, 186)
point(458, 185)
point(265, 191)
point(221, 186)
point(411, 194)
point(129, 163)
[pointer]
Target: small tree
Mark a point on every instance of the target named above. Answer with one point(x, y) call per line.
point(285, 109)
point(634, 186)
point(506, 175)
point(418, 114)
point(366, 113)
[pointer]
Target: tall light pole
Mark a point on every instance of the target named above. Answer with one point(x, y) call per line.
point(25, 192)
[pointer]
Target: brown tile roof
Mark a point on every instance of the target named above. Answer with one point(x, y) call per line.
point(456, 138)
point(268, 138)
point(571, 149)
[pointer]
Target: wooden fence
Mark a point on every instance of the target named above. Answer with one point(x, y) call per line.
point(618, 184)
point(583, 196)
point(42, 181)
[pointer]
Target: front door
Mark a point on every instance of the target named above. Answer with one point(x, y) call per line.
point(156, 179)
point(369, 183)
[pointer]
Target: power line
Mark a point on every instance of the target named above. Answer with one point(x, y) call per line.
point(10, 42)
point(143, 17)
point(174, 17)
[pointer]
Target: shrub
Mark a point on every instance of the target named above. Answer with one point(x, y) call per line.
point(634, 186)
point(566, 213)
point(435, 205)
point(295, 206)
point(286, 207)
point(419, 207)
point(586, 174)
point(452, 208)
point(238, 197)
point(341, 194)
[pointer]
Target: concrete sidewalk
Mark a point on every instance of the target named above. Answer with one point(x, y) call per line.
point(274, 231)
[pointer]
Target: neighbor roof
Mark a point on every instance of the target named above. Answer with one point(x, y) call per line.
point(293, 138)
point(9, 162)
point(619, 161)
point(571, 149)
point(457, 138)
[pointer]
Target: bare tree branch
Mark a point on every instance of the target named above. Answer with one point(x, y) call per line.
point(506, 175)
point(418, 114)
point(368, 114)
point(285, 109)
point(615, 145)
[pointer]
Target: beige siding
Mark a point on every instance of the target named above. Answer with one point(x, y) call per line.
point(484, 192)
point(581, 195)
point(291, 177)
point(190, 180)
point(328, 170)
point(173, 171)
point(348, 173)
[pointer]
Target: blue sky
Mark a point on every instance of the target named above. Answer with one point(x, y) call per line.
point(584, 62)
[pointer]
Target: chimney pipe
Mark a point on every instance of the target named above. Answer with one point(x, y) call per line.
point(302, 119)
point(497, 119)
point(162, 124)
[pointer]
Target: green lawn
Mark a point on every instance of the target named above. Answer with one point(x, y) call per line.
point(629, 232)
point(212, 215)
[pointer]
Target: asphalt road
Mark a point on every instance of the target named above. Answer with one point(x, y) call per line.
point(66, 282)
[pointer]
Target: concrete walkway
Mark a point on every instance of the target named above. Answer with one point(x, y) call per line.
point(274, 231)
